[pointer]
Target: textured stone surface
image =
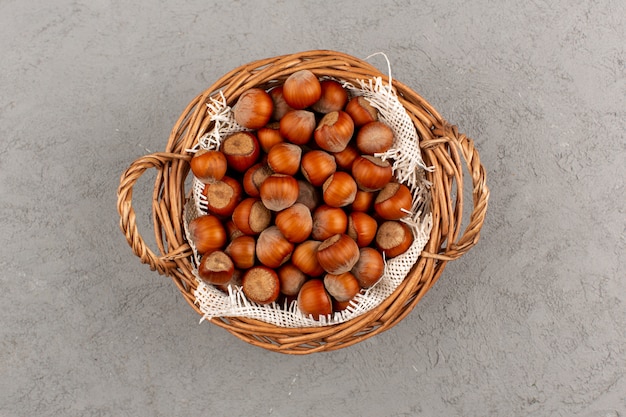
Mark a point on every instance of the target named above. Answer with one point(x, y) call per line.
point(531, 322)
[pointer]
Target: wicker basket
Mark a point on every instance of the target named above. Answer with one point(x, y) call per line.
point(442, 147)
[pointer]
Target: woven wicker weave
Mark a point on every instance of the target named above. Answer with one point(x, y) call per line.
point(442, 146)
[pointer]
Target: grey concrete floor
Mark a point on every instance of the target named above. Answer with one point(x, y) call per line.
point(531, 322)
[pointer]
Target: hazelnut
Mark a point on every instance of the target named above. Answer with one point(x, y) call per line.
point(345, 158)
point(295, 223)
point(207, 233)
point(328, 221)
point(279, 191)
point(280, 105)
point(363, 201)
point(241, 150)
point(334, 131)
point(208, 165)
point(251, 216)
point(261, 285)
point(313, 300)
point(242, 251)
point(333, 98)
point(342, 287)
point(272, 248)
point(297, 126)
point(232, 231)
point(339, 190)
point(291, 279)
point(308, 195)
point(216, 268)
point(269, 136)
point(371, 173)
point(317, 166)
point(304, 257)
point(223, 196)
point(338, 254)
point(393, 238)
point(374, 137)
point(253, 108)
point(361, 111)
point(362, 228)
point(302, 89)
point(254, 177)
point(393, 201)
point(284, 158)
point(369, 268)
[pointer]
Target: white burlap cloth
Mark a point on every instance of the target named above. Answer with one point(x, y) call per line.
point(408, 169)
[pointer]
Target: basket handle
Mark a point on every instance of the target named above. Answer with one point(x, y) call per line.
point(162, 264)
point(449, 135)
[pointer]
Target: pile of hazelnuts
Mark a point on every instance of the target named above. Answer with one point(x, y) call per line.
point(298, 205)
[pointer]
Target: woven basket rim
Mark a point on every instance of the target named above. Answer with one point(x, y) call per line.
point(443, 148)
